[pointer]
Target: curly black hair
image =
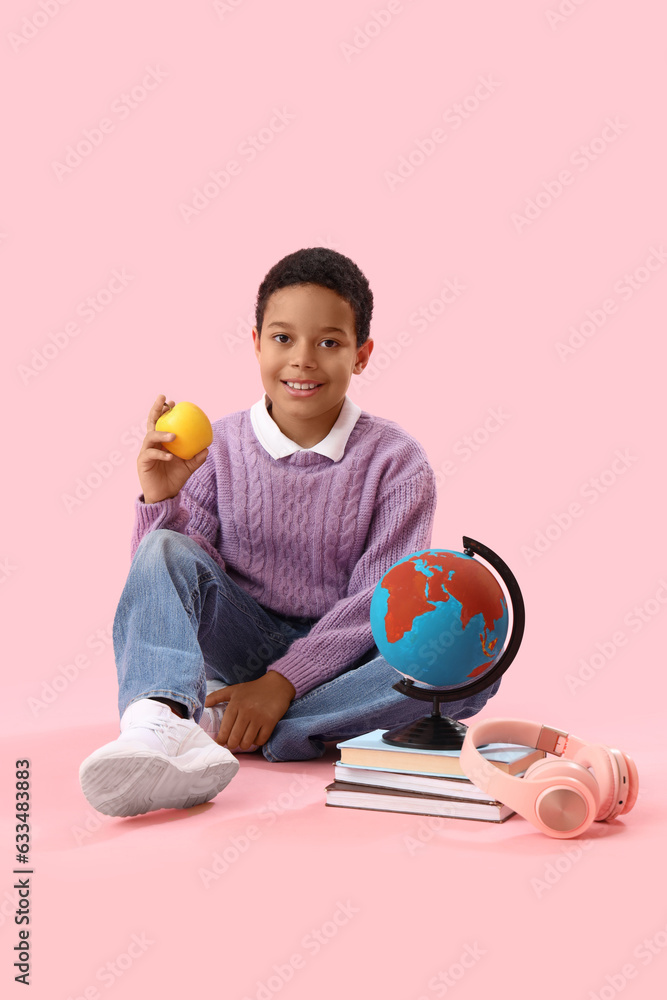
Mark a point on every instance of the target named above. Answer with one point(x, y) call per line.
point(321, 266)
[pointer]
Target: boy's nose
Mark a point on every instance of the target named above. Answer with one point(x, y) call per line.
point(303, 358)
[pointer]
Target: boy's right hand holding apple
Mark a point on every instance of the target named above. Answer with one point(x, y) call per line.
point(162, 474)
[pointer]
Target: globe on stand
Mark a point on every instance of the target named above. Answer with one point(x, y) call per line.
point(441, 617)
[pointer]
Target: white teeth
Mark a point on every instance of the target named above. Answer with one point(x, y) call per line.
point(305, 385)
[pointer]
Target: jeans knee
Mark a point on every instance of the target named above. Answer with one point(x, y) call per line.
point(157, 538)
point(165, 549)
point(160, 542)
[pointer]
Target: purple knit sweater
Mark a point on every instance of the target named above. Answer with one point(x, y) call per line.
point(304, 535)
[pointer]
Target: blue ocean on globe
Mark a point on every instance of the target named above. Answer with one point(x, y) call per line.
point(439, 617)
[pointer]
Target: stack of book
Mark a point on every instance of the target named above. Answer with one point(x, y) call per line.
point(372, 774)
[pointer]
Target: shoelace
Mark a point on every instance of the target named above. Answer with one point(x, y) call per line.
point(161, 727)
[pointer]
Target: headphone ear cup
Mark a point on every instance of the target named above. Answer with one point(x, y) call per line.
point(633, 782)
point(563, 810)
point(616, 771)
point(539, 765)
point(607, 776)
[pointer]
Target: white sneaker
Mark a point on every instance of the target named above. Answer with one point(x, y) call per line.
point(158, 762)
point(211, 721)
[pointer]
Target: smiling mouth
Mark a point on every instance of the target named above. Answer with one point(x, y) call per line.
point(301, 385)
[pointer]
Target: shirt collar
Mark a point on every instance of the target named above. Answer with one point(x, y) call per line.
point(279, 445)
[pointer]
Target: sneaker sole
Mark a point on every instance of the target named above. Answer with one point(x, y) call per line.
point(130, 783)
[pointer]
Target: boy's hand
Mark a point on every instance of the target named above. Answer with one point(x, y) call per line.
point(162, 474)
point(254, 709)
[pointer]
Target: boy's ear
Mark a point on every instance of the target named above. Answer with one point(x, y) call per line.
point(363, 355)
point(256, 340)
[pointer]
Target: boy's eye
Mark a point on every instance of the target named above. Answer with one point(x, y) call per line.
point(328, 340)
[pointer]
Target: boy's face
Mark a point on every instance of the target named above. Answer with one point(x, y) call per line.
point(308, 335)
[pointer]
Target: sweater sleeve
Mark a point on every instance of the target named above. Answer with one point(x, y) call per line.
point(402, 524)
point(193, 512)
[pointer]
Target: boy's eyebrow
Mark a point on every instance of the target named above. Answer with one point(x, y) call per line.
point(323, 329)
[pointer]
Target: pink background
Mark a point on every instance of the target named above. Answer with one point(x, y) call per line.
point(358, 96)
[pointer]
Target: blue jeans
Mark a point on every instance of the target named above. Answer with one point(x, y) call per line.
point(183, 627)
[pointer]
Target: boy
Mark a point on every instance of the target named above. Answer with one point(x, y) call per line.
point(254, 563)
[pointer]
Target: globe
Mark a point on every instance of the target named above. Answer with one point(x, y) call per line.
point(439, 617)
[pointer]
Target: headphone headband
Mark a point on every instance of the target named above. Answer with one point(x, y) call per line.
point(524, 733)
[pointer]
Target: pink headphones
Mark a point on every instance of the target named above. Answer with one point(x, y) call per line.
point(560, 797)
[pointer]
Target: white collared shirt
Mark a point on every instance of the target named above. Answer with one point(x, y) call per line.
point(279, 445)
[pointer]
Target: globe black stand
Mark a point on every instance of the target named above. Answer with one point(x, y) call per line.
point(437, 732)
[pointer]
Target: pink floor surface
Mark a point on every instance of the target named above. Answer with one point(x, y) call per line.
point(267, 891)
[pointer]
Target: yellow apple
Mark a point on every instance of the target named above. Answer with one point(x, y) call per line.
point(190, 425)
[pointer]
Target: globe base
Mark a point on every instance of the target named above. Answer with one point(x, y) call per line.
point(433, 732)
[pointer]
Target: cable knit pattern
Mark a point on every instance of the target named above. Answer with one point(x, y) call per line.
point(305, 535)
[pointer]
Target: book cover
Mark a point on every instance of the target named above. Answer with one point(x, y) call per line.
point(342, 793)
point(456, 786)
point(369, 750)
